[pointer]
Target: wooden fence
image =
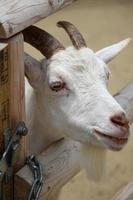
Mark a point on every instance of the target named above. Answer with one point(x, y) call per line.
point(58, 160)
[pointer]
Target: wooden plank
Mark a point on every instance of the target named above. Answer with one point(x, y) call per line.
point(11, 95)
point(4, 111)
point(17, 87)
point(126, 193)
point(59, 166)
point(60, 161)
point(16, 96)
point(4, 93)
point(16, 15)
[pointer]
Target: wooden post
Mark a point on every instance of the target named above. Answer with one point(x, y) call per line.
point(11, 95)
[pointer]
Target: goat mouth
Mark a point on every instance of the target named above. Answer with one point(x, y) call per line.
point(114, 143)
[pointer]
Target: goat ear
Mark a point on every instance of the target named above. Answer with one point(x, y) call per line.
point(108, 53)
point(33, 70)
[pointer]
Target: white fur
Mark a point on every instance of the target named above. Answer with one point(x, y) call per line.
point(76, 111)
point(93, 160)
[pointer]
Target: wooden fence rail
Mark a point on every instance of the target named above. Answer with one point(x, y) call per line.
point(16, 15)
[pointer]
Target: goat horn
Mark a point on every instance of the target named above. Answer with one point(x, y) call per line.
point(74, 34)
point(42, 41)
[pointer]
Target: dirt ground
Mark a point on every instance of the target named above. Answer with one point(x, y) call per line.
point(102, 22)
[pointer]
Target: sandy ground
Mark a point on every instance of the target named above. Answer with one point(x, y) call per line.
point(102, 23)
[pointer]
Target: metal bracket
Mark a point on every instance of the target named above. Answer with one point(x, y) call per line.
point(10, 156)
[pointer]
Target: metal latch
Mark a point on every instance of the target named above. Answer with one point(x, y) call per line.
point(10, 156)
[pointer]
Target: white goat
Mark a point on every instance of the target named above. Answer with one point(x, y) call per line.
point(68, 97)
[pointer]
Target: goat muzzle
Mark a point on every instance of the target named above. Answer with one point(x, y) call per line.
point(120, 120)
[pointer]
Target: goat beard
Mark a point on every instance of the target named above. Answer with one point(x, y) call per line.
point(93, 159)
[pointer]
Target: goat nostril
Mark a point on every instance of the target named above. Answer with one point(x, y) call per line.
point(120, 119)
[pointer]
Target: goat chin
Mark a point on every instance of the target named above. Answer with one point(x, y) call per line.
point(93, 160)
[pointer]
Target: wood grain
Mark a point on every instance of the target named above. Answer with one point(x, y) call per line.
point(4, 110)
point(126, 193)
point(4, 93)
point(17, 95)
point(16, 15)
point(12, 95)
point(60, 161)
point(59, 165)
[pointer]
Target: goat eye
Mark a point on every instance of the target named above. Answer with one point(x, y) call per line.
point(57, 86)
